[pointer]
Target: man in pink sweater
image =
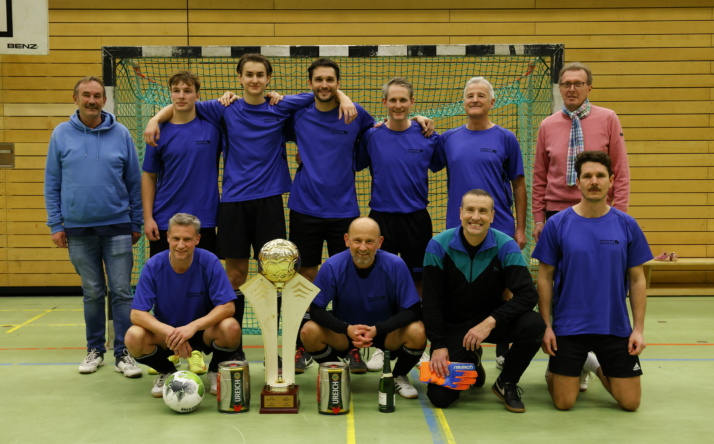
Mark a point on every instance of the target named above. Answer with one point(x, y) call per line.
point(579, 126)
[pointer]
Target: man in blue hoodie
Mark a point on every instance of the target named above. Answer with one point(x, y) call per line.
point(93, 201)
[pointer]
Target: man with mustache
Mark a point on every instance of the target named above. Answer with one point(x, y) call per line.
point(579, 126)
point(93, 201)
point(590, 256)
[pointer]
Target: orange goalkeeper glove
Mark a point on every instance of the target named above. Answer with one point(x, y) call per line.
point(461, 375)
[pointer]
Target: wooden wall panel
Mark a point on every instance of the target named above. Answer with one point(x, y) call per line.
point(653, 64)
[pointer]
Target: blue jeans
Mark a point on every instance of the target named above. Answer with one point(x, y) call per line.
point(90, 255)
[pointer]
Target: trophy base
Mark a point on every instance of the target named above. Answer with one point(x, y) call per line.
point(283, 401)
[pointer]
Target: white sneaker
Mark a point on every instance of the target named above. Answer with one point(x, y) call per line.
point(157, 391)
point(584, 381)
point(499, 362)
point(376, 362)
point(127, 365)
point(213, 379)
point(405, 388)
point(591, 365)
point(94, 360)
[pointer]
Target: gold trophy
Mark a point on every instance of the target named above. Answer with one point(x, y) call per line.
point(279, 261)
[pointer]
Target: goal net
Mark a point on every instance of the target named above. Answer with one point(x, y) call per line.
point(522, 76)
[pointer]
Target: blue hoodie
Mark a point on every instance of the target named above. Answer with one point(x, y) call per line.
point(92, 176)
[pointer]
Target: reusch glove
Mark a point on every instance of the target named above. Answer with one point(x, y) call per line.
point(461, 375)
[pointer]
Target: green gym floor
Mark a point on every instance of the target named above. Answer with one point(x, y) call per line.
point(44, 399)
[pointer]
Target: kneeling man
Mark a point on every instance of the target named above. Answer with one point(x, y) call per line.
point(374, 304)
point(192, 303)
point(466, 270)
point(590, 255)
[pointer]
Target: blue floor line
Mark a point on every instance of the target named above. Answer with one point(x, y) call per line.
point(431, 421)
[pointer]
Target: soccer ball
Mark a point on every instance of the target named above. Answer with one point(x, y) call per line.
point(183, 391)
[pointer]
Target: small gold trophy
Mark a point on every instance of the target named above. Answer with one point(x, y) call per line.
point(279, 261)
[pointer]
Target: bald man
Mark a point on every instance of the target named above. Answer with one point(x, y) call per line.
point(374, 304)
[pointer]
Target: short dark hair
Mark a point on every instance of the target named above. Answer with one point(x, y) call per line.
point(478, 192)
point(257, 58)
point(87, 80)
point(593, 156)
point(399, 81)
point(577, 66)
point(185, 77)
point(327, 63)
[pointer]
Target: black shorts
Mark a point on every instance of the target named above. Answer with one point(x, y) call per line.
point(611, 352)
point(249, 223)
point(196, 342)
point(308, 233)
point(406, 234)
point(208, 241)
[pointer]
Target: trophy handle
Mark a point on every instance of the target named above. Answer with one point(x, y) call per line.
point(298, 293)
point(263, 296)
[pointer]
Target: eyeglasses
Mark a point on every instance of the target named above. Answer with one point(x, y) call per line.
point(577, 85)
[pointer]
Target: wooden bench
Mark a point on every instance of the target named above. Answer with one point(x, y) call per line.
point(686, 263)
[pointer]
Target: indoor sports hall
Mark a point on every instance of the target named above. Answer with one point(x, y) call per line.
point(652, 64)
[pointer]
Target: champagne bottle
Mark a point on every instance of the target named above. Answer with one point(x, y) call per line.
point(386, 386)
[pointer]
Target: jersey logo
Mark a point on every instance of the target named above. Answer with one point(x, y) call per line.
point(609, 242)
point(339, 132)
point(488, 150)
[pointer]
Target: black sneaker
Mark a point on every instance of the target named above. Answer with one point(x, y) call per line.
point(480, 371)
point(510, 394)
point(238, 355)
point(357, 364)
point(303, 360)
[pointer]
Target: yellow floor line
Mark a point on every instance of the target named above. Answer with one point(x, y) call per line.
point(444, 426)
point(28, 321)
point(351, 437)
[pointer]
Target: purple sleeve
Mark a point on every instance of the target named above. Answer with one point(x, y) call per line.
point(515, 158)
point(212, 110)
point(546, 250)
point(145, 294)
point(297, 101)
point(325, 283)
point(437, 162)
point(220, 289)
point(638, 251)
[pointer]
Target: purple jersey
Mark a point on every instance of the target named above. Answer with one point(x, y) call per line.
point(180, 298)
point(489, 160)
point(387, 289)
point(255, 161)
point(591, 257)
point(324, 184)
point(399, 162)
point(186, 162)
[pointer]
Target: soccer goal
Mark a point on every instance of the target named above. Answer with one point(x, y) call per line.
point(522, 75)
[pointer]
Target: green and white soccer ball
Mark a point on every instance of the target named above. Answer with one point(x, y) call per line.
point(183, 391)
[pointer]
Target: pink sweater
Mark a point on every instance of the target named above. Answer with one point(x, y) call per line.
point(601, 131)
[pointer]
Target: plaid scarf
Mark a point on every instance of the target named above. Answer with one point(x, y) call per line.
point(576, 144)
